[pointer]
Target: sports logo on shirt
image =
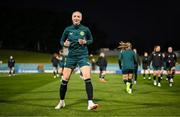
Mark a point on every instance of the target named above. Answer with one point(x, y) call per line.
point(71, 33)
point(82, 33)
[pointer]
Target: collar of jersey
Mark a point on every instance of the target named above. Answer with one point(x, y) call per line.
point(76, 26)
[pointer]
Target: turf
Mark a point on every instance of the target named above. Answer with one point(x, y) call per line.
point(37, 95)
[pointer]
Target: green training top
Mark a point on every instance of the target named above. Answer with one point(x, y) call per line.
point(128, 59)
point(73, 33)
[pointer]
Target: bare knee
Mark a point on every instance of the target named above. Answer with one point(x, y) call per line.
point(86, 72)
point(125, 77)
point(66, 73)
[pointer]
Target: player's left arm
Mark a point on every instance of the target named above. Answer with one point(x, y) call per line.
point(89, 37)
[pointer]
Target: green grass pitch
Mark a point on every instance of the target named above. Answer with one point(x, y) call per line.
point(38, 94)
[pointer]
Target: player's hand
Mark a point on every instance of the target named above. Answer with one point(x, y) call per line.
point(162, 68)
point(66, 43)
point(82, 41)
point(57, 57)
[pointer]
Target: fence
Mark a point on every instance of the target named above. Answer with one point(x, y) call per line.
point(47, 68)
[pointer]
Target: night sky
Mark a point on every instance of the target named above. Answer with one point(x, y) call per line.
point(144, 23)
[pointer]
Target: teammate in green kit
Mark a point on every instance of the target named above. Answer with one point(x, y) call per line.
point(128, 60)
point(76, 38)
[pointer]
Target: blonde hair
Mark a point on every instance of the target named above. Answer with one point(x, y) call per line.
point(77, 12)
point(124, 45)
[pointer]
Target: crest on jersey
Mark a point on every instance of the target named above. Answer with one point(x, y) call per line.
point(82, 33)
point(71, 33)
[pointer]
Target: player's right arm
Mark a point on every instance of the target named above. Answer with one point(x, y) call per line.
point(89, 37)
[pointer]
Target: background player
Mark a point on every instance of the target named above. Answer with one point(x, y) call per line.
point(157, 62)
point(170, 58)
point(146, 66)
point(61, 59)
point(102, 63)
point(11, 65)
point(136, 65)
point(128, 60)
point(55, 62)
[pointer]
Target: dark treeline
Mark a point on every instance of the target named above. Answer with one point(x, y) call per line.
point(39, 30)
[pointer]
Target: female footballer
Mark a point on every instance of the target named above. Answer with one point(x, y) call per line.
point(157, 63)
point(76, 37)
point(170, 58)
point(128, 60)
point(146, 66)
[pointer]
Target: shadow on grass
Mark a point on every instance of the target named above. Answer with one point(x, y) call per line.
point(25, 101)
